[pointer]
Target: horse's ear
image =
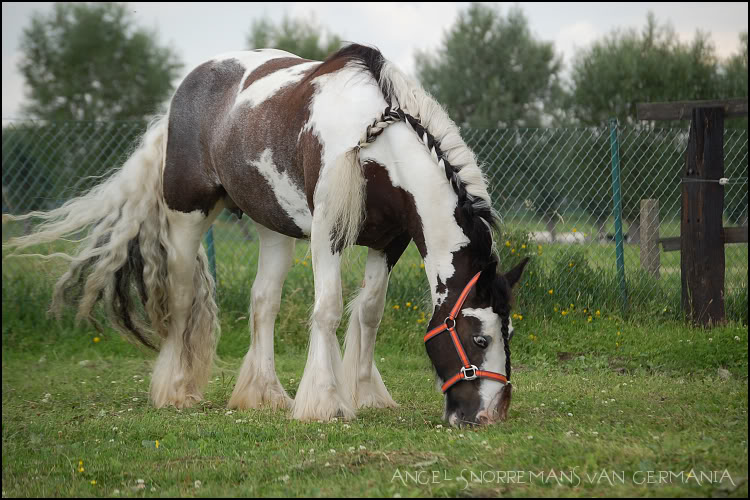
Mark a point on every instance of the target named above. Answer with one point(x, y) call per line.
point(514, 275)
point(487, 278)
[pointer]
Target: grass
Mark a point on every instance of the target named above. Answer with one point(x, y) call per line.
point(600, 407)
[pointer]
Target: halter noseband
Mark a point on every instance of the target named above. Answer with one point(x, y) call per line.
point(467, 371)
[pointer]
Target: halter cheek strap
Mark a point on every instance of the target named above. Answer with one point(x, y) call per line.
point(467, 371)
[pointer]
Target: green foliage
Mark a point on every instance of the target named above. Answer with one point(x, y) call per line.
point(490, 71)
point(90, 62)
point(735, 71)
point(298, 36)
point(628, 67)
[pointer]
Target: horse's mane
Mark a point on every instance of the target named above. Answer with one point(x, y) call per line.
point(441, 135)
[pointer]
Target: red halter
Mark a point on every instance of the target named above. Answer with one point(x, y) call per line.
point(468, 371)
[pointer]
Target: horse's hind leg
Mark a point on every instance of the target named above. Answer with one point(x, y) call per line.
point(186, 355)
point(257, 383)
point(360, 373)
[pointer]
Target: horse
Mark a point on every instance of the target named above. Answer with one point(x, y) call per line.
point(347, 151)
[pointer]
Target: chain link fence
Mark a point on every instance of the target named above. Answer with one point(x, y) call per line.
point(552, 188)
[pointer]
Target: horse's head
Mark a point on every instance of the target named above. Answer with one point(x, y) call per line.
point(468, 343)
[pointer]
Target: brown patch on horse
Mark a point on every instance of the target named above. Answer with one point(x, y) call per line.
point(272, 66)
point(504, 405)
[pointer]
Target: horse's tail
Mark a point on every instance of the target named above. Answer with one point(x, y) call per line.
point(122, 260)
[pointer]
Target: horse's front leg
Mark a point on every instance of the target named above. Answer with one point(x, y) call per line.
point(321, 395)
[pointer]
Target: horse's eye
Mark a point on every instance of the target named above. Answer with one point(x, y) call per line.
point(481, 341)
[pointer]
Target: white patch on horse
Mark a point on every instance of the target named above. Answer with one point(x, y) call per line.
point(334, 92)
point(494, 354)
point(289, 196)
point(265, 87)
point(411, 167)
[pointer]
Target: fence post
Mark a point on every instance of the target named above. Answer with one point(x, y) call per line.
point(619, 249)
point(701, 237)
point(650, 258)
point(211, 252)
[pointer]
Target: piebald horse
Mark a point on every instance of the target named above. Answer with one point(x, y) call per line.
point(341, 152)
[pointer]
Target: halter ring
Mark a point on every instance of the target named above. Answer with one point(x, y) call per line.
point(448, 326)
point(473, 369)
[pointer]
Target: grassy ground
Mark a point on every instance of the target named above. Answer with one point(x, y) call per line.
point(605, 406)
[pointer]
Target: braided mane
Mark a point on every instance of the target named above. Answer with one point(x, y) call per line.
point(410, 103)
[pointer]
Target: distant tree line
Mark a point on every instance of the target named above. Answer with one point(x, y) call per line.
point(91, 62)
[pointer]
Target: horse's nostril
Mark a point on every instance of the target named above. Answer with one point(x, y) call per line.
point(484, 420)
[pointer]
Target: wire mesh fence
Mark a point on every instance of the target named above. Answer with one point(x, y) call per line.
point(552, 188)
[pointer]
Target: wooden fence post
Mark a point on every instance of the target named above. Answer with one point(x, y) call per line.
point(650, 257)
point(701, 237)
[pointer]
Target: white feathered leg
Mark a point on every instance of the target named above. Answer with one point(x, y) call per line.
point(321, 395)
point(360, 373)
point(257, 383)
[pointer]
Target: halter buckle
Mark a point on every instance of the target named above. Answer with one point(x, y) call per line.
point(473, 369)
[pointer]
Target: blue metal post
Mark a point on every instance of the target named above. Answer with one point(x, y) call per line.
point(211, 252)
point(617, 197)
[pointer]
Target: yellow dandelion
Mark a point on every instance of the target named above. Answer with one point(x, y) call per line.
point(520, 317)
point(512, 250)
point(304, 263)
point(574, 230)
point(421, 265)
point(408, 304)
point(551, 291)
point(420, 321)
point(507, 243)
point(80, 462)
point(397, 307)
point(81, 469)
point(93, 482)
point(619, 333)
point(157, 443)
point(555, 309)
point(572, 306)
point(564, 313)
point(585, 310)
point(96, 339)
point(515, 316)
point(523, 247)
point(570, 265)
point(590, 319)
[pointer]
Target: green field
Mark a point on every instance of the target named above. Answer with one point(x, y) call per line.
point(604, 404)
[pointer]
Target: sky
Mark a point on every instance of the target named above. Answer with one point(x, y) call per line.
point(199, 31)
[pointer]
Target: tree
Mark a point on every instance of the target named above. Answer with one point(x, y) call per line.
point(303, 38)
point(628, 67)
point(90, 62)
point(491, 72)
point(651, 65)
point(734, 72)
